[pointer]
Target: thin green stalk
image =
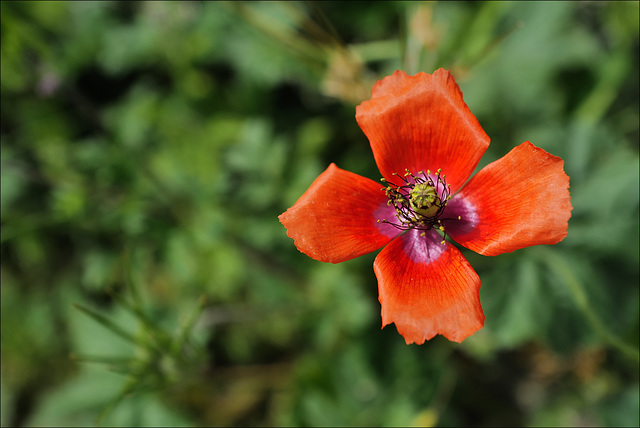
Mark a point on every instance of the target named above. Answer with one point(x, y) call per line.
point(128, 278)
point(183, 336)
point(559, 265)
point(127, 389)
point(158, 336)
point(377, 50)
point(106, 323)
point(287, 38)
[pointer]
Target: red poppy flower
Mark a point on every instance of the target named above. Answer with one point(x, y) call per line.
point(426, 144)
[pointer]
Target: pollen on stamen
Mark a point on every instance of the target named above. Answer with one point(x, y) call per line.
point(418, 201)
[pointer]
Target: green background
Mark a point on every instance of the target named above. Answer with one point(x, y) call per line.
point(148, 148)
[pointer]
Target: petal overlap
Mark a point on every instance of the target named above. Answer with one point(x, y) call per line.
point(421, 122)
point(427, 288)
point(521, 199)
point(335, 219)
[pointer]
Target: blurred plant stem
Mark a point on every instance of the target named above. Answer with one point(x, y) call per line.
point(422, 36)
point(160, 358)
point(561, 268)
point(286, 35)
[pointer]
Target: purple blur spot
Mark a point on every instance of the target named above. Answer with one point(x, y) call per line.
point(423, 249)
point(459, 207)
point(48, 84)
point(387, 212)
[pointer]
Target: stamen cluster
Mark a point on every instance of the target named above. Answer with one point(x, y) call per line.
point(419, 201)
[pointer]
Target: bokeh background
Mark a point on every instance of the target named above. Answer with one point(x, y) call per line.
point(148, 148)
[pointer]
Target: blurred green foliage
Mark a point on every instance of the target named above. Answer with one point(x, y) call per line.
point(148, 147)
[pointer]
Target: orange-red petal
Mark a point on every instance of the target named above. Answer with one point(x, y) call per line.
point(522, 199)
point(335, 219)
point(428, 288)
point(422, 122)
